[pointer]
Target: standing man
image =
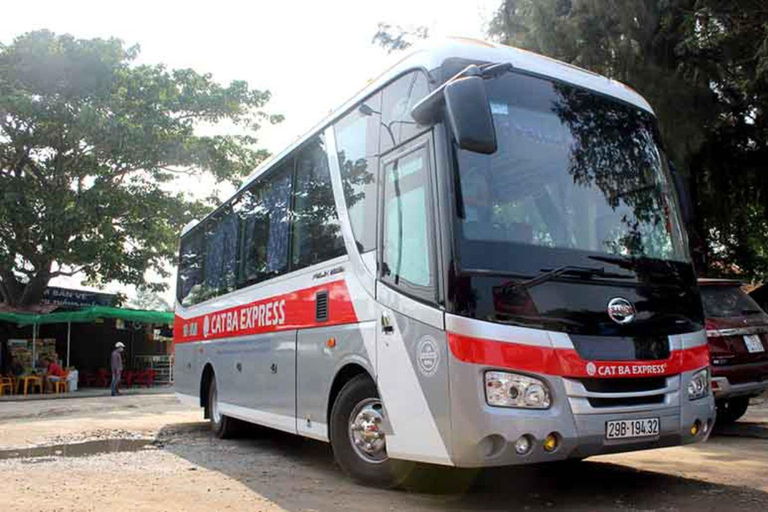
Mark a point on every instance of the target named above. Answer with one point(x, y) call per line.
point(116, 362)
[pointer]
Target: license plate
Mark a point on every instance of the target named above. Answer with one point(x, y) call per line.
point(754, 344)
point(626, 429)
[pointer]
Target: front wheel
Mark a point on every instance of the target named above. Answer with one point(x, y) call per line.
point(358, 439)
point(222, 426)
point(728, 411)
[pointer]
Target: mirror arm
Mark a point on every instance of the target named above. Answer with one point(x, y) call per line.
point(428, 111)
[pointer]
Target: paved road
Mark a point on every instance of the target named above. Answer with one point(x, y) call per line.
point(180, 466)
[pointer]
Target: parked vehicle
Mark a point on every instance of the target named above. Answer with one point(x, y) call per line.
point(477, 261)
point(737, 333)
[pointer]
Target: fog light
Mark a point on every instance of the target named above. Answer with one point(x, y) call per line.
point(695, 427)
point(523, 445)
point(550, 442)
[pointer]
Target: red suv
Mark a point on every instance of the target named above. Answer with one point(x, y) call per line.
point(737, 332)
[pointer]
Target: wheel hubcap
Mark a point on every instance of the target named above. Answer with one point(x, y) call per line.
point(365, 431)
point(215, 414)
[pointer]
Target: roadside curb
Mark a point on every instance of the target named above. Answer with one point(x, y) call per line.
point(87, 393)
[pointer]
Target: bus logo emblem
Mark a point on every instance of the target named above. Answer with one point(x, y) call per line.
point(621, 310)
point(206, 326)
point(427, 356)
point(591, 369)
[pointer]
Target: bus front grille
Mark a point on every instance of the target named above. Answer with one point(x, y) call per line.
point(624, 385)
point(625, 401)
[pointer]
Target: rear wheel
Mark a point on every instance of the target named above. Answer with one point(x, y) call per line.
point(222, 426)
point(358, 439)
point(732, 409)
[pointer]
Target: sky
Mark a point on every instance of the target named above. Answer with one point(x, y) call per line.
point(312, 56)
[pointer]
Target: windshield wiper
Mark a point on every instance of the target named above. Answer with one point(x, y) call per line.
point(634, 263)
point(548, 275)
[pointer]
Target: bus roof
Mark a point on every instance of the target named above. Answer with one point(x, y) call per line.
point(431, 55)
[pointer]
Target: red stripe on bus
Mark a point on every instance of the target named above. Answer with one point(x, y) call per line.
point(567, 362)
point(295, 310)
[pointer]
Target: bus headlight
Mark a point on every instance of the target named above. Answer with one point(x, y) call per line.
point(698, 386)
point(504, 389)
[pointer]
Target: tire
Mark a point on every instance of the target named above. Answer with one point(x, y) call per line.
point(222, 426)
point(728, 411)
point(367, 462)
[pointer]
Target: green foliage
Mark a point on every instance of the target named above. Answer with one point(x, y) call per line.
point(90, 147)
point(703, 65)
point(150, 301)
point(396, 38)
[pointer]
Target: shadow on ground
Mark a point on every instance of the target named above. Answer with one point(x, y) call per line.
point(297, 474)
point(742, 429)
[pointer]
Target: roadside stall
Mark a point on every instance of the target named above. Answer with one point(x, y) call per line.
point(81, 341)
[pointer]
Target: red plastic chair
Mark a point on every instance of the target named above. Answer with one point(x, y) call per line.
point(146, 378)
point(128, 377)
point(103, 378)
point(88, 379)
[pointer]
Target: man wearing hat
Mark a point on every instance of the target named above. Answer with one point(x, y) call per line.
point(116, 362)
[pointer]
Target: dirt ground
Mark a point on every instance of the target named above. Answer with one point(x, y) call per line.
point(166, 459)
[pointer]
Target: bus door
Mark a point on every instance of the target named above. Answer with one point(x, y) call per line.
point(411, 342)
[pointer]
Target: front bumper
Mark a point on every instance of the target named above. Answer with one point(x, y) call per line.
point(485, 436)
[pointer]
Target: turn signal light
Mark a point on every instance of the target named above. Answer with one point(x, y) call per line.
point(695, 427)
point(550, 442)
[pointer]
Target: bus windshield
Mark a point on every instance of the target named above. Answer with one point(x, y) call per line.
point(575, 172)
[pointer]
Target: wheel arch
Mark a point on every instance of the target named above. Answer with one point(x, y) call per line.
point(205, 384)
point(346, 373)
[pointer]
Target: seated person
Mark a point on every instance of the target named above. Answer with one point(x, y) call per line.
point(55, 372)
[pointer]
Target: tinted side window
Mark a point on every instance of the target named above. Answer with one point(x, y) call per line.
point(220, 254)
point(263, 210)
point(357, 144)
point(398, 99)
point(190, 268)
point(407, 250)
point(316, 231)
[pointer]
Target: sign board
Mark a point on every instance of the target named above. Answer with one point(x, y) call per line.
point(67, 297)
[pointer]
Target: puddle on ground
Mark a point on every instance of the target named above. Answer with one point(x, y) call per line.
point(79, 449)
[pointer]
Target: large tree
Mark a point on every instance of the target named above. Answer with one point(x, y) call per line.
point(703, 65)
point(92, 146)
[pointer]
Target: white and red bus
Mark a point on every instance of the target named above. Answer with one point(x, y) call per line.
point(477, 261)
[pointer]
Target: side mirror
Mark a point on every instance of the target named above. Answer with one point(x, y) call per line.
point(469, 113)
point(463, 102)
point(683, 193)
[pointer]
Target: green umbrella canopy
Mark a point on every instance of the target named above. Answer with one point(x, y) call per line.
point(89, 314)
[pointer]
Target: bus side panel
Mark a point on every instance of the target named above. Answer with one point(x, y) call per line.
point(186, 371)
point(413, 381)
point(225, 356)
point(258, 378)
point(321, 354)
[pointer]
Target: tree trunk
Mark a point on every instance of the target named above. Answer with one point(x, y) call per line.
point(17, 294)
point(10, 288)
